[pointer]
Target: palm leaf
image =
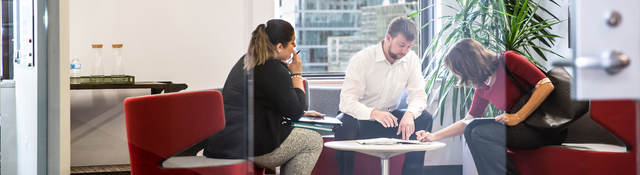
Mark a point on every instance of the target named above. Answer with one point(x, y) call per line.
point(499, 25)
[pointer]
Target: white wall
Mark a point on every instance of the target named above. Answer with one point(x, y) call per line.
point(194, 42)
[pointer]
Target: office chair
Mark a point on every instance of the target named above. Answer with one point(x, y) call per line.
point(619, 117)
point(160, 126)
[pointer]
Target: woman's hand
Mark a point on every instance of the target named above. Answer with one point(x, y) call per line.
point(295, 67)
point(509, 119)
point(313, 114)
point(425, 136)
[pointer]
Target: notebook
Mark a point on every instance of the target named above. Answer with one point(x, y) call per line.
point(318, 127)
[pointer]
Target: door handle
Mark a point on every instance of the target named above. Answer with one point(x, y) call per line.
point(612, 62)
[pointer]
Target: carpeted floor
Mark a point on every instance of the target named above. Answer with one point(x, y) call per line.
point(101, 170)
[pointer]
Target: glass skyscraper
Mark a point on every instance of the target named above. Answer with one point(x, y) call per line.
point(317, 20)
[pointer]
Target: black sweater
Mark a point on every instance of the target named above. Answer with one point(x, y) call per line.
point(274, 98)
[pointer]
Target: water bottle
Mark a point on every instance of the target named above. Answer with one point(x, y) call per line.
point(75, 66)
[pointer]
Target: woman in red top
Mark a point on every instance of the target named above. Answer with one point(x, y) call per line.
point(487, 139)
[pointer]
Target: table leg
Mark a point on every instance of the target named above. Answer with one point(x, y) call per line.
point(385, 166)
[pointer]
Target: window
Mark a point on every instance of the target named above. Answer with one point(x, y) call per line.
point(427, 33)
point(7, 38)
point(329, 32)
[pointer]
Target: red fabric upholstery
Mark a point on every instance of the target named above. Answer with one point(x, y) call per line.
point(326, 163)
point(616, 116)
point(364, 164)
point(159, 126)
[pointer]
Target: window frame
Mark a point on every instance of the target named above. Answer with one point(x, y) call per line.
point(426, 34)
point(7, 40)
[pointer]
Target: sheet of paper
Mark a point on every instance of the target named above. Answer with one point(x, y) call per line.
point(470, 120)
point(321, 120)
point(387, 141)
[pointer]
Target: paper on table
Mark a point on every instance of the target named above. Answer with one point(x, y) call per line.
point(470, 120)
point(321, 120)
point(387, 141)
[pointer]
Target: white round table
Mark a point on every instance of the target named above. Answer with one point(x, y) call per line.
point(384, 152)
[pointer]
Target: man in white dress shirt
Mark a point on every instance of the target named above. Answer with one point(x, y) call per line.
point(374, 83)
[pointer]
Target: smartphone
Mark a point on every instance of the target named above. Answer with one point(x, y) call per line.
point(291, 58)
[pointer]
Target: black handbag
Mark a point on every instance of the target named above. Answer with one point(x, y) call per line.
point(558, 110)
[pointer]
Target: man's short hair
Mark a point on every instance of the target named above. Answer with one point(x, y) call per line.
point(403, 25)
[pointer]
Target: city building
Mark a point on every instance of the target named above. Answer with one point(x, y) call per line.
point(316, 21)
point(373, 27)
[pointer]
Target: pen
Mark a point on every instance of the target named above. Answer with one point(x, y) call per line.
point(291, 58)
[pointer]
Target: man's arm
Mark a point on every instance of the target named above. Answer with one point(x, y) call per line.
point(353, 89)
point(417, 97)
point(416, 100)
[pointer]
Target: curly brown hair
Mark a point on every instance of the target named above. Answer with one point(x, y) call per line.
point(471, 62)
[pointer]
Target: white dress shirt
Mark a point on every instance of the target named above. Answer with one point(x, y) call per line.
point(372, 82)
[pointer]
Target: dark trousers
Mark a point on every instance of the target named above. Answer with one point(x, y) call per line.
point(488, 141)
point(352, 129)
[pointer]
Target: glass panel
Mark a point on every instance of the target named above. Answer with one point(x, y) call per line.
point(319, 37)
point(171, 127)
point(637, 133)
point(330, 19)
point(354, 23)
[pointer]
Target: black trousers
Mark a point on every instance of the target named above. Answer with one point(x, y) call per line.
point(488, 141)
point(352, 129)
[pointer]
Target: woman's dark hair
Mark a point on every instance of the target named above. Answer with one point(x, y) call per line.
point(264, 39)
point(471, 62)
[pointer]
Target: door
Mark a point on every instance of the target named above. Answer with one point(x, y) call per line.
point(606, 55)
point(606, 58)
point(30, 77)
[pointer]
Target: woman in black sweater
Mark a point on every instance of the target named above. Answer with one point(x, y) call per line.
point(278, 99)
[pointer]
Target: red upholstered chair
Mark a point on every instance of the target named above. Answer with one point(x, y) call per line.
point(160, 126)
point(619, 117)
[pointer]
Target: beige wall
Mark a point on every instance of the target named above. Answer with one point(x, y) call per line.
point(194, 42)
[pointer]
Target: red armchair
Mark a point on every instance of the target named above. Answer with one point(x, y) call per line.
point(160, 126)
point(619, 117)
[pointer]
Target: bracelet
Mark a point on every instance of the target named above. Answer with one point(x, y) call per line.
point(296, 74)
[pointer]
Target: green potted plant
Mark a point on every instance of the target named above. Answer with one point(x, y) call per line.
point(500, 25)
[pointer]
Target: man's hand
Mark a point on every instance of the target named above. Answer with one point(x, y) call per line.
point(509, 119)
point(407, 127)
point(385, 118)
